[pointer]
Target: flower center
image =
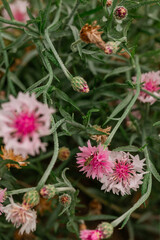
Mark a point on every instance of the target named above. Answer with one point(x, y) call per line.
point(123, 169)
point(19, 16)
point(151, 86)
point(25, 123)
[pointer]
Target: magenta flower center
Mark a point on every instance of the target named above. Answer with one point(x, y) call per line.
point(25, 124)
point(151, 86)
point(123, 170)
point(19, 16)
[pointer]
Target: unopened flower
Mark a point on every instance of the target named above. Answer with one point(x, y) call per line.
point(106, 229)
point(2, 198)
point(127, 173)
point(65, 200)
point(19, 10)
point(48, 191)
point(120, 13)
point(150, 82)
point(23, 121)
point(30, 199)
point(63, 153)
point(91, 235)
point(109, 3)
point(9, 155)
point(79, 84)
point(101, 138)
point(111, 47)
point(94, 161)
point(20, 216)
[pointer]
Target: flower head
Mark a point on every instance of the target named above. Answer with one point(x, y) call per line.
point(127, 173)
point(150, 82)
point(120, 13)
point(9, 155)
point(101, 138)
point(2, 198)
point(20, 216)
point(106, 229)
point(63, 153)
point(109, 3)
point(19, 10)
point(31, 199)
point(91, 235)
point(23, 121)
point(79, 84)
point(48, 191)
point(94, 161)
point(111, 47)
point(65, 200)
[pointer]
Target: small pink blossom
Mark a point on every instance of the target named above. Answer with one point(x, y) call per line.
point(150, 82)
point(2, 198)
point(19, 10)
point(23, 121)
point(94, 161)
point(127, 173)
point(91, 235)
point(20, 216)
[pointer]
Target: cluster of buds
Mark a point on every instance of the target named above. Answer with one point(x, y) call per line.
point(48, 191)
point(63, 153)
point(91, 34)
point(120, 13)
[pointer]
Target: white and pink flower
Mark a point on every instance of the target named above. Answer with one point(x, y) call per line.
point(150, 82)
point(94, 161)
point(23, 121)
point(2, 198)
point(127, 173)
point(20, 216)
point(91, 234)
point(19, 11)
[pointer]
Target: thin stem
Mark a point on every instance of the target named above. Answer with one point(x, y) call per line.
point(12, 22)
point(15, 192)
point(73, 12)
point(63, 189)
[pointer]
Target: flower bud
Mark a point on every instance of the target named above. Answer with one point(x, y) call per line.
point(64, 153)
point(48, 191)
point(79, 85)
point(109, 3)
point(111, 47)
point(106, 228)
point(31, 199)
point(65, 200)
point(120, 13)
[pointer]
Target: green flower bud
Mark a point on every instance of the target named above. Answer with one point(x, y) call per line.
point(48, 191)
point(31, 199)
point(65, 200)
point(79, 85)
point(106, 228)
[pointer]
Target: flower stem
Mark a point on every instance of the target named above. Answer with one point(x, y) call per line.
point(63, 189)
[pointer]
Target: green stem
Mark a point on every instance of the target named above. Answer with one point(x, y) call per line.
point(12, 22)
point(63, 189)
point(129, 106)
point(14, 192)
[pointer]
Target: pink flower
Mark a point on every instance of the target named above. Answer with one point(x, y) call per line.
point(23, 121)
point(2, 198)
point(150, 82)
point(91, 235)
point(127, 173)
point(21, 216)
point(94, 161)
point(19, 10)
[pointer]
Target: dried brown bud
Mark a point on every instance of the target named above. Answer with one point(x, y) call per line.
point(101, 138)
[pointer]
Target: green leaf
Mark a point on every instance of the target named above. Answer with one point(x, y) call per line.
point(156, 124)
point(117, 71)
point(76, 37)
point(8, 9)
point(127, 149)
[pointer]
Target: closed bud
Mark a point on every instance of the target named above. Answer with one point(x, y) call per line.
point(48, 191)
point(79, 85)
point(111, 47)
point(120, 13)
point(109, 3)
point(65, 200)
point(31, 199)
point(63, 153)
point(106, 229)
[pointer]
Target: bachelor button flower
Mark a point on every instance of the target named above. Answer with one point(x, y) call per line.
point(94, 161)
point(79, 84)
point(106, 229)
point(150, 82)
point(111, 47)
point(120, 13)
point(23, 121)
point(9, 155)
point(21, 216)
point(91, 235)
point(127, 173)
point(2, 198)
point(109, 3)
point(19, 10)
